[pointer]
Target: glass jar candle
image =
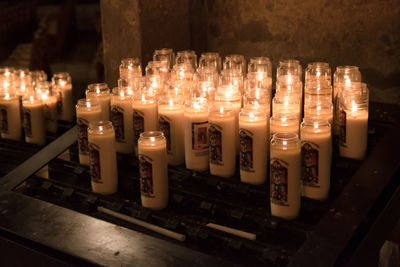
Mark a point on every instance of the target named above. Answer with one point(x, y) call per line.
point(210, 60)
point(318, 71)
point(165, 54)
point(254, 145)
point(221, 129)
point(289, 104)
point(284, 123)
point(258, 98)
point(130, 67)
point(196, 134)
point(237, 62)
point(354, 121)
point(208, 74)
point(285, 175)
point(154, 85)
point(171, 124)
point(34, 123)
point(232, 78)
point(38, 76)
point(145, 117)
point(153, 170)
point(316, 151)
point(10, 116)
point(322, 109)
point(50, 105)
point(289, 68)
point(183, 72)
point(62, 88)
point(260, 65)
point(87, 111)
point(103, 157)
point(122, 119)
point(187, 56)
point(101, 92)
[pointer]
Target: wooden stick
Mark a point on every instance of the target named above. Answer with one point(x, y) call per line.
point(232, 231)
point(143, 224)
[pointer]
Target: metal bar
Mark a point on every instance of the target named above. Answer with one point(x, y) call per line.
point(350, 209)
point(39, 160)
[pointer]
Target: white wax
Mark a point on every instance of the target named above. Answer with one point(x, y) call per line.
point(221, 132)
point(285, 172)
point(353, 134)
point(10, 119)
point(83, 118)
point(196, 140)
point(145, 118)
point(50, 114)
point(103, 162)
point(104, 101)
point(153, 169)
point(254, 151)
point(122, 120)
point(35, 129)
point(65, 103)
point(316, 162)
point(171, 124)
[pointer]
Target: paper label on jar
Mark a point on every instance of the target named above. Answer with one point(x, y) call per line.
point(27, 122)
point(4, 120)
point(59, 102)
point(215, 135)
point(200, 138)
point(94, 162)
point(279, 182)
point(82, 136)
point(146, 176)
point(309, 163)
point(165, 127)
point(246, 150)
point(138, 124)
point(342, 133)
point(117, 119)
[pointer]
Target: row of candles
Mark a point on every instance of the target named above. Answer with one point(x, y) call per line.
point(205, 118)
point(29, 102)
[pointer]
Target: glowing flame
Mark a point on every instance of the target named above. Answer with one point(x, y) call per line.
point(316, 125)
point(171, 102)
point(353, 107)
point(31, 98)
point(152, 139)
point(88, 105)
point(283, 119)
point(100, 128)
point(251, 115)
point(221, 110)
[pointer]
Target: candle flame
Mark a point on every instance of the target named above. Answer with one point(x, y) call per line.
point(316, 125)
point(31, 98)
point(251, 115)
point(100, 128)
point(152, 139)
point(283, 119)
point(319, 108)
point(221, 110)
point(44, 96)
point(88, 104)
point(353, 106)
point(171, 102)
point(7, 96)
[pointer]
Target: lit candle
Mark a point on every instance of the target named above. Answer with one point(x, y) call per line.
point(87, 111)
point(254, 143)
point(316, 151)
point(145, 117)
point(285, 174)
point(289, 104)
point(103, 157)
point(153, 168)
point(196, 135)
point(283, 123)
point(34, 125)
point(121, 118)
point(10, 116)
point(221, 129)
point(42, 90)
point(101, 92)
point(170, 120)
point(322, 109)
point(63, 89)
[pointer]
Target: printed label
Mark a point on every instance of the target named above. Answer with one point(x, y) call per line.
point(82, 136)
point(215, 135)
point(138, 124)
point(342, 134)
point(200, 138)
point(27, 122)
point(117, 119)
point(94, 161)
point(4, 120)
point(59, 102)
point(246, 150)
point(309, 164)
point(165, 127)
point(146, 176)
point(279, 182)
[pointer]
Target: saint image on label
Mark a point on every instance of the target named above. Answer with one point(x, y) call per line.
point(59, 102)
point(279, 182)
point(246, 150)
point(82, 136)
point(27, 122)
point(309, 164)
point(146, 176)
point(94, 161)
point(165, 128)
point(4, 120)
point(117, 119)
point(199, 136)
point(342, 133)
point(138, 124)
point(215, 135)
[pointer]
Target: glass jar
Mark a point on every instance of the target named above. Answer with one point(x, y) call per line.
point(101, 92)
